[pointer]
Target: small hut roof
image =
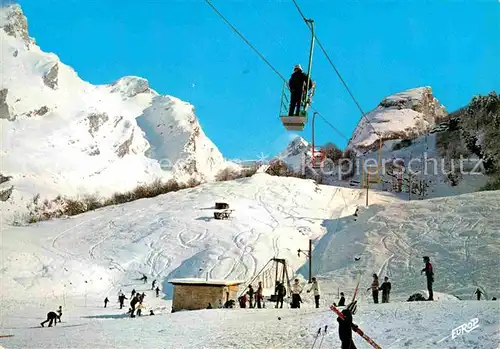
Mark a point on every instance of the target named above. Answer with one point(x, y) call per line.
point(204, 282)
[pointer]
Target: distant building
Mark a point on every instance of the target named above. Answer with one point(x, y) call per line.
point(194, 294)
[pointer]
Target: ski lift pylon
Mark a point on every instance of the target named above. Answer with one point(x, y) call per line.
point(297, 123)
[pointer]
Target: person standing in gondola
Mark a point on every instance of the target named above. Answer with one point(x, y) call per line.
point(297, 85)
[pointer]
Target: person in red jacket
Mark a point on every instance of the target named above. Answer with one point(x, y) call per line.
point(259, 297)
point(429, 273)
point(374, 288)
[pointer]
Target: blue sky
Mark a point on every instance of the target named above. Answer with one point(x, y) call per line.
point(184, 49)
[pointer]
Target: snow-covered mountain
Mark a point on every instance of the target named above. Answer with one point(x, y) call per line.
point(62, 135)
point(406, 114)
point(297, 154)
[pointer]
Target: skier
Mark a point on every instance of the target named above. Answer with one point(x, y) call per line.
point(345, 328)
point(259, 297)
point(250, 294)
point(121, 299)
point(297, 84)
point(133, 293)
point(429, 273)
point(133, 302)
point(144, 278)
point(281, 293)
point(153, 284)
point(157, 290)
point(151, 313)
point(59, 312)
point(51, 317)
point(106, 301)
point(479, 293)
point(374, 288)
point(315, 289)
point(386, 290)
point(296, 291)
point(341, 300)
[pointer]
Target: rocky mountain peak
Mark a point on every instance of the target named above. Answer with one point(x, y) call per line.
point(14, 23)
point(406, 114)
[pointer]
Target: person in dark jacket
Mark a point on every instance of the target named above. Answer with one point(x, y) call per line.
point(345, 329)
point(341, 300)
point(281, 293)
point(386, 290)
point(479, 293)
point(51, 317)
point(250, 294)
point(429, 273)
point(106, 301)
point(121, 299)
point(297, 85)
point(59, 313)
point(133, 302)
point(157, 290)
point(374, 288)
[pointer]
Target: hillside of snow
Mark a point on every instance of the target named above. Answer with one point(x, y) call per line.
point(422, 162)
point(411, 112)
point(62, 135)
point(460, 234)
point(173, 235)
point(79, 261)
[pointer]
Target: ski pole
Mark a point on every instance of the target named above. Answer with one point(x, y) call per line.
point(324, 334)
point(315, 338)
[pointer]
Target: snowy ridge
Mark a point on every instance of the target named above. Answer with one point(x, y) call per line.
point(62, 135)
point(404, 114)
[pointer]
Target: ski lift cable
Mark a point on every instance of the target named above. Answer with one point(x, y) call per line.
point(267, 62)
point(335, 69)
point(246, 41)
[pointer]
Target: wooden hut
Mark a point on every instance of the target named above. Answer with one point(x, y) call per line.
point(194, 294)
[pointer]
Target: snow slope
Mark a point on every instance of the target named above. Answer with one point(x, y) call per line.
point(62, 135)
point(412, 111)
point(79, 261)
point(460, 234)
point(173, 236)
